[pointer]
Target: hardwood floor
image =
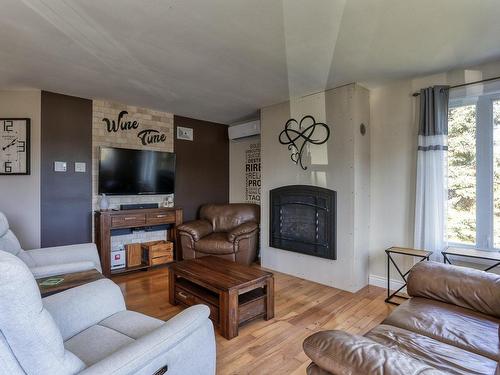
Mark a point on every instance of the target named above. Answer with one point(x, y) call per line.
point(275, 346)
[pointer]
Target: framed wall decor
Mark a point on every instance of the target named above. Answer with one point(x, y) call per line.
point(15, 146)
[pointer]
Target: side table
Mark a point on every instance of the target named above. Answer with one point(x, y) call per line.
point(422, 254)
point(494, 256)
point(69, 280)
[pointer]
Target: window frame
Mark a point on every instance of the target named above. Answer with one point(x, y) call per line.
point(484, 171)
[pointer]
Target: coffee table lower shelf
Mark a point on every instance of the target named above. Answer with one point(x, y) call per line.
point(251, 304)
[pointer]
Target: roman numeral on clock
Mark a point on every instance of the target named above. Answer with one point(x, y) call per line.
point(8, 167)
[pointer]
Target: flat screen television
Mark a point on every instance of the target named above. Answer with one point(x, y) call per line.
point(133, 172)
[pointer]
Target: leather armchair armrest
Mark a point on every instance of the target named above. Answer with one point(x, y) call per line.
point(196, 229)
point(460, 286)
point(342, 353)
point(245, 228)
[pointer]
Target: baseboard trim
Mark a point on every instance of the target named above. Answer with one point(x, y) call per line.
point(382, 282)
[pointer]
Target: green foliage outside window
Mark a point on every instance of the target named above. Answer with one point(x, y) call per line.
point(461, 225)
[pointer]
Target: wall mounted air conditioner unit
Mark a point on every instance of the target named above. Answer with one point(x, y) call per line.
point(248, 129)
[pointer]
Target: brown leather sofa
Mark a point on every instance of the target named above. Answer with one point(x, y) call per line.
point(229, 231)
point(449, 326)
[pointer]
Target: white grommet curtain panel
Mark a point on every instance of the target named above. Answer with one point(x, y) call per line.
point(431, 187)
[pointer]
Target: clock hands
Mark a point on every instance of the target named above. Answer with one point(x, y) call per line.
point(10, 144)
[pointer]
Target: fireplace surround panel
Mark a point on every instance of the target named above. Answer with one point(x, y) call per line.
point(303, 220)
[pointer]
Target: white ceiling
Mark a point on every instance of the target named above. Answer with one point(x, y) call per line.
point(222, 60)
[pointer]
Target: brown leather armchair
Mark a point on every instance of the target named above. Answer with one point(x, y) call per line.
point(229, 231)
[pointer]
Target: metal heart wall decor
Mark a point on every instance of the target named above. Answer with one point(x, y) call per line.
point(297, 137)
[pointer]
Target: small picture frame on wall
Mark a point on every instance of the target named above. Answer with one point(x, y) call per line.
point(15, 145)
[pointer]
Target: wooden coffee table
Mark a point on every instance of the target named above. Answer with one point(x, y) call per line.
point(234, 293)
point(70, 280)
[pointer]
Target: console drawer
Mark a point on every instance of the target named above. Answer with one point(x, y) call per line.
point(160, 217)
point(128, 220)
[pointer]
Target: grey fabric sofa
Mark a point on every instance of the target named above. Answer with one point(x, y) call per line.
point(88, 330)
point(50, 261)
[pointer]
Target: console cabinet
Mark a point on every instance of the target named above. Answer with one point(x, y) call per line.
point(106, 221)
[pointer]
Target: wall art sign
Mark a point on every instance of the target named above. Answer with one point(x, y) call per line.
point(147, 136)
point(252, 173)
point(297, 134)
point(14, 146)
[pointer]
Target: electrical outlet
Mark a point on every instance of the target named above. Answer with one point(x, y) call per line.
point(80, 167)
point(59, 166)
point(185, 134)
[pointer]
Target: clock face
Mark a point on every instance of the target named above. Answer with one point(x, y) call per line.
point(14, 146)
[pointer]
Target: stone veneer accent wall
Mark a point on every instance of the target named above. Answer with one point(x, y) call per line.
point(147, 119)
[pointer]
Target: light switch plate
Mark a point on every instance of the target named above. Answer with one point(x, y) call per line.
point(185, 134)
point(80, 167)
point(60, 166)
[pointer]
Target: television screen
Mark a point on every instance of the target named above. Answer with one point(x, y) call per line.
point(131, 172)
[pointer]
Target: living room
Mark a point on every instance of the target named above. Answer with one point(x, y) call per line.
point(249, 187)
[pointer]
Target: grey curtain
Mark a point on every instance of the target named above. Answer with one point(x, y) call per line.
point(431, 189)
point(434, 111)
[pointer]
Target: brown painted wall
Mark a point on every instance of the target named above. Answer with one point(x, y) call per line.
point(202, 171)
point(66, 197)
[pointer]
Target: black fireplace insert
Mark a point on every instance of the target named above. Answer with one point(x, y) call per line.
point(303, 219)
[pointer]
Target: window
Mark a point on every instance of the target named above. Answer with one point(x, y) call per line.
point(473, 207)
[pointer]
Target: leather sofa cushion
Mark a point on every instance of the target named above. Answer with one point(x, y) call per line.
point(342, 353)
point(225, 217)
point(450, 324)
point(437, 354)
point(215, 243)
point(461, 286)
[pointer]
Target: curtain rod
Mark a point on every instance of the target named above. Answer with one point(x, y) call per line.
point(466, 84)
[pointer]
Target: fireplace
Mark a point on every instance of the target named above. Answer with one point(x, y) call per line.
point(303, 220)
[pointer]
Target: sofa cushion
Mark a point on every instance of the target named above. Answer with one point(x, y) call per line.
point(131, 323)
point(342, 353)
point(101, 340)
point(457, 326)
point(442, 356)
point(215, 243)
point(96, 343)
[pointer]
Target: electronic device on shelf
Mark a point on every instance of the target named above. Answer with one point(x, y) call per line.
point(138, 206)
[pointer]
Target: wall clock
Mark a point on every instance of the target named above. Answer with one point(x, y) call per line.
point(14, 146)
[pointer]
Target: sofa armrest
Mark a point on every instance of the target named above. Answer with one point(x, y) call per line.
point(460, 286)
point(66, 254)
point(77, 309)
point(196, 229)
point(151, 352)
point(240, 230)
point(60, 269)
point(342, 353)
